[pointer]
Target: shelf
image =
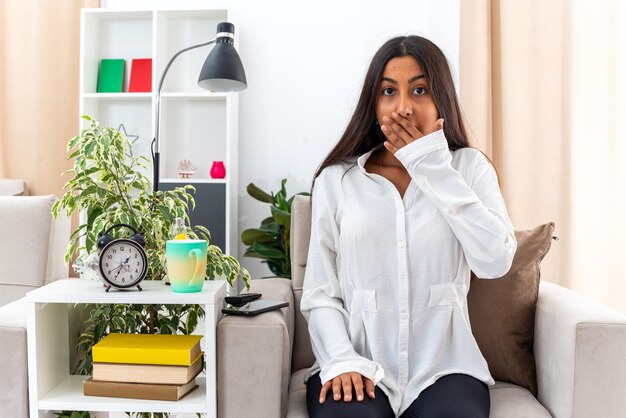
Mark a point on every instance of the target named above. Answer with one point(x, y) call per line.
point(214, 14)
point(50, 329)
point(118, 96)
point(195, 124)
point(68, 395)
point(194, 95)
point(164, 95)
point(88, 291)
point(193, 180)
point(117, 14)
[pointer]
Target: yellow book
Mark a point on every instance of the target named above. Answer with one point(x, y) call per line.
point(176, 350)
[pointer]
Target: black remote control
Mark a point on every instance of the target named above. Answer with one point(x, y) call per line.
point(242, 298)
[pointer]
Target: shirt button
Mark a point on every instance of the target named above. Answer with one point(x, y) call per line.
point(405, 316)
point(401, 244)
point(403, 381)
point(403, 347)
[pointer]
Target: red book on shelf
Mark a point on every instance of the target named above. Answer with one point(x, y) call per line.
point(141, 75)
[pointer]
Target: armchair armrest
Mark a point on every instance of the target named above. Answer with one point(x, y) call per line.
point(13, 359)
point(254, 353)
point(579, 353)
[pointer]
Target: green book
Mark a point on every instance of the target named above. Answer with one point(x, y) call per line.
point(111, 76)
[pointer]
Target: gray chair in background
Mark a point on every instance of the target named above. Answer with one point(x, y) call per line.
point(32, 246)
point(12, 187)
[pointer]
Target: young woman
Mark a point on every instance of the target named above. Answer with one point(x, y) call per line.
point(402, 209)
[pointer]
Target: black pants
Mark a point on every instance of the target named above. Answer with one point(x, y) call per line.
point(451, 396)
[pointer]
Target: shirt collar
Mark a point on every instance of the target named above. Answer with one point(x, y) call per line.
point(363, 158)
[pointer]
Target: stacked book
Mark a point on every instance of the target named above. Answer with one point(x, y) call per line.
point(145, 366)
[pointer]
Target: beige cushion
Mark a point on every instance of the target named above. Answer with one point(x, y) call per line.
point(502, 311)
point(512, 401)
point(507, 400)
point(297, 396)
point(300, 237)
point(32, 245)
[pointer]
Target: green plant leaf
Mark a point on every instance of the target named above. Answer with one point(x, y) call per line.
point(259, 194)
point(268, 223)
point(281, 216)
point(192, 321)
point(89, 147)
point(249, 236)
point(264, 251)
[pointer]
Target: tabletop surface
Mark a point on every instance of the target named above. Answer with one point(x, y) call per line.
point(153, 291)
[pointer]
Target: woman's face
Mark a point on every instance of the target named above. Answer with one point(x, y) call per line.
point(403, 89)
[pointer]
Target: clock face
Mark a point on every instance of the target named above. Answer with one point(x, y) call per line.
point(123, 263)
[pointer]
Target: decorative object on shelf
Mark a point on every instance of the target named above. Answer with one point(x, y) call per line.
point(140, 75)
point(110, 188)
point(123, 262)
point(87, 267)
point(270, 242)
point(186, 169)
point(111, 76)
point(186, 264)
point(132, 138)
point(178, 230)
point(218, 170)
point(222, 71)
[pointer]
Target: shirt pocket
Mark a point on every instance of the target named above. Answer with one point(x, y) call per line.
point(447, 294)
point(362, 307)
point(363, 300)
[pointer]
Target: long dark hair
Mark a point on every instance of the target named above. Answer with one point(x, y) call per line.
point(362, 133)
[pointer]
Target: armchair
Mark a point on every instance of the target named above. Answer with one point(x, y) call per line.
point(579, 352)
point(31, 255)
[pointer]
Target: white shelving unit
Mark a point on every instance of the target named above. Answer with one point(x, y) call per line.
point(52, 387)
point(196, 125)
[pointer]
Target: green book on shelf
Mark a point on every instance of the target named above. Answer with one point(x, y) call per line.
point(111, 76)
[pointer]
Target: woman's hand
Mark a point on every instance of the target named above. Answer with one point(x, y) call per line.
point(345, 381)
point(401, 132)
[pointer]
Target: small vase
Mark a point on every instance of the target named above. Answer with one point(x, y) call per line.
point(218, 171)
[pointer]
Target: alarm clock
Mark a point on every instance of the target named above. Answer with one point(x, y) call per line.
point(123, 262)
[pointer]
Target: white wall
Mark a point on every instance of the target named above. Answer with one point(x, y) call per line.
point(305, 63)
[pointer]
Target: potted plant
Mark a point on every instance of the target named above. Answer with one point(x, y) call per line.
point(108, 187)
point(270, 242)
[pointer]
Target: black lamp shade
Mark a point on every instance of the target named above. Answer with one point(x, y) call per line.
point(222, 70)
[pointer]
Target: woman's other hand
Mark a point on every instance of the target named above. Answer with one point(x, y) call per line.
point(400, 131)
point(344, 382)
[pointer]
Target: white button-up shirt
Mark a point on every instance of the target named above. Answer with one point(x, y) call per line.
point(385, 289)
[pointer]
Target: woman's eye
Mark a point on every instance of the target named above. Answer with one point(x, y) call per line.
point(388, 91)
point(419, 90)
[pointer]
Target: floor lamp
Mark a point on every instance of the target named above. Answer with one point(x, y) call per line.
point(222, 71)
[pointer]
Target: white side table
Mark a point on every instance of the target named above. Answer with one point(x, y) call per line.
point(50, 384)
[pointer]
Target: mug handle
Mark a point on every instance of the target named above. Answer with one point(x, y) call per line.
point(200, 272)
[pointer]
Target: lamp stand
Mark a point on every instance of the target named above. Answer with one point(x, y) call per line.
point(156, 143)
